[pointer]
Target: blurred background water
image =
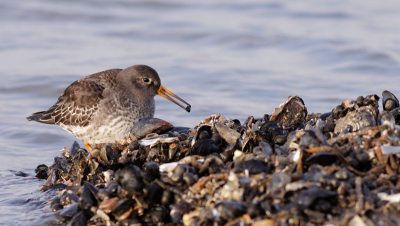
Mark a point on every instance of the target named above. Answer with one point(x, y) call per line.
point(237, 58)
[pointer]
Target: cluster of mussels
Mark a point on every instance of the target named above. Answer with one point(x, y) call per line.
point(287, 168)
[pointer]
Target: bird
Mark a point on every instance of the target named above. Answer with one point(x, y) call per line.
point(103, 107)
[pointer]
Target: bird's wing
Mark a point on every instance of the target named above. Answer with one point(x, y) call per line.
point(75, 106)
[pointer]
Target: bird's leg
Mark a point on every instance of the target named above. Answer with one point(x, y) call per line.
point(88, 146)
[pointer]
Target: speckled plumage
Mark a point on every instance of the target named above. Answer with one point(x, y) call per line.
point(102, 107)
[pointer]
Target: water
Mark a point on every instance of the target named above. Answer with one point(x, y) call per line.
point(235, 58)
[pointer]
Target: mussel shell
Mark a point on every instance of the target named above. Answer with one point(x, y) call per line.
point(308, 141)
point(202, 132)
point(253, 166)
point(363, 117)
point(155, 193)
point(360, 101)
point(254, 210)
point(41, 171)
point(291, 113)
point(389, 101)
point(204, 147)
point(130, 178)
point(173, 148)
point(321, 158)
point(70, 211)
point(385, 118)
point(108, 205)
point(122, 207)
point(280, 139)
point(271, 129)
point(343, 174)
point(152, 171)
point(79, 219)
point(62, 164)
point(324, 116)
point(216, 137)
point(278, 182)
point(166, 198)
point(74, 148)
point(339, 112)
point(152, 140)
point(234, 124)
point(87, 198)
point(367, 101)
point(226, 156)
point(92, 188)
point(79, 164)
point(229, 135)
point(308, 197)
point(104, 194)
point(265, 148)
point(108, 155)
point(56, 204)
point(396, 114)
point(134, 145)
point(249, 120)
point(178, 210)
point(150, 125)
point(179, 130)
point(316, 174)
point(112, 187)
point(328, 127)
point(155, 215)
point(228, 210)
point(130, 222)
point(189, 178)
point(68, 198)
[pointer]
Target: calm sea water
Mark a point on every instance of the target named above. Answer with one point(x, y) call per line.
point(236, 58)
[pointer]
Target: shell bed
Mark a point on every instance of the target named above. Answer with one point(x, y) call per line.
point(287, 168)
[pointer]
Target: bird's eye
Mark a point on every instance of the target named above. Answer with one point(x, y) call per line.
point(146, 80)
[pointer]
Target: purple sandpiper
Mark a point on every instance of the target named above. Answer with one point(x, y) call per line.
point(103, 107)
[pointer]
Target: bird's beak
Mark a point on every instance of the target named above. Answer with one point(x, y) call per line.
point(166, 94)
